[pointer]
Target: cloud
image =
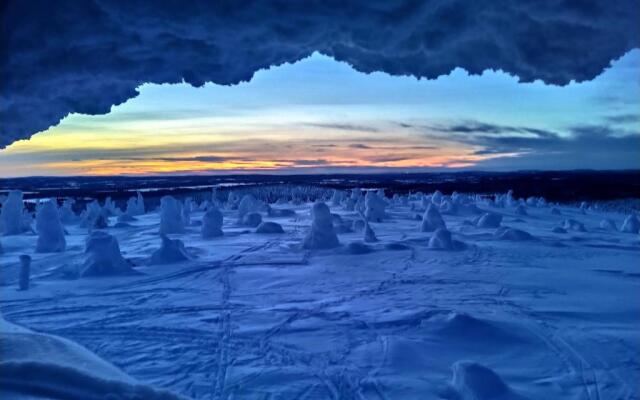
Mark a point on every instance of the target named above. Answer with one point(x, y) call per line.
point(516, 147)
point(344, 127)
point(359, 146)
point(67, 56)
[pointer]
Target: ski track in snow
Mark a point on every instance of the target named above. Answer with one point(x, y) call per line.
point(253, 316)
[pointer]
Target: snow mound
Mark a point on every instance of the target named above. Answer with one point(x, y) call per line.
point(11, 217)
point(321, 234)
point(171, 215)
point(608, 224)
point(631, 224)
point(104, 256)
point(521, 210)
point(171, 251)
point(558, 229)
point(505, 233)
point(432, 220)
point(40, 366)
point(252, 219)
point(489, 220)
point(212, 223)
point(441, 240)
point(126, 217)
point(269, 227)
point(555, 211)
point(474, 381)
point(573, 225)
point(50, 231)
point(358, 248)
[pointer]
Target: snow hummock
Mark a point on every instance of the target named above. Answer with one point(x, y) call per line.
point(42, 366)
point(489, 220)
point(104, 256)
point(474, 381)
point(506, 233)
point(321, 234)
point(50, 231)
point(11, 217)
point(252, 219)
point(631, 224)
point(573, 225)
point(441, 240)
point(171, 251)
point(171, 219)
point(608, 224)
point(212, 223)
point(432, 220)
point(269, 227)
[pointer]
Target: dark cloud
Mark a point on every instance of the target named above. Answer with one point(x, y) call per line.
point(582, 146)
point(624, 119)
point(359, 146)
point(344, 127)
point(65, 56)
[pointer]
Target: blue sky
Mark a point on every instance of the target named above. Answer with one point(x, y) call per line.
point(319, 115)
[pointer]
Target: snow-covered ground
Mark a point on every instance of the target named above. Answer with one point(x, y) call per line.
point(494, 315)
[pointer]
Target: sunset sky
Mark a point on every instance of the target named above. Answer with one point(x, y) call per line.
point(320, 115)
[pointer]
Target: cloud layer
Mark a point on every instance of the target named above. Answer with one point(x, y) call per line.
point(60, 57)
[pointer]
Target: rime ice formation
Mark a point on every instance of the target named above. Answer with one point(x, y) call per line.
point(103, 256)
point(489, 220)
point(441, 240)
point(186, 211)
point(67, 215)
point(432, 220)
point(269, 227)
point(321, 235)
point(11, 217)
point(374, 207)
point(94, 217)
point(436, 198)
point(369, 234)
point(170, 216)
point(337, 197)
point(212, 223)
point(171, 251)
point(631, 224)
point(246, 206)
point(50, 231)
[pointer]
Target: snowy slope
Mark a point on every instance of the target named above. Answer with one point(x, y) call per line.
point(257, 316)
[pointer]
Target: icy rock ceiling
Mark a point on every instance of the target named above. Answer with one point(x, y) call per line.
point(61, 57)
